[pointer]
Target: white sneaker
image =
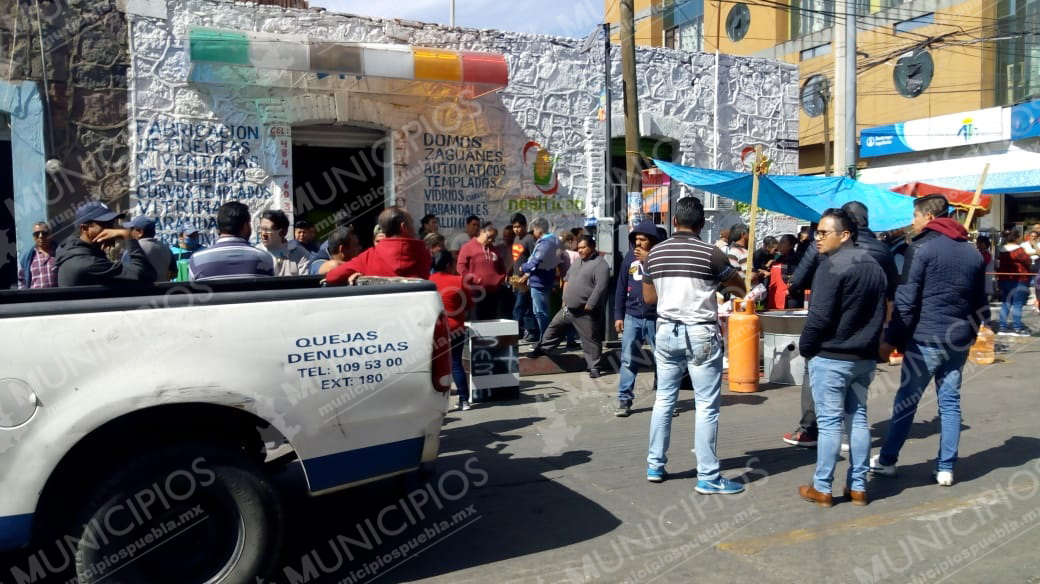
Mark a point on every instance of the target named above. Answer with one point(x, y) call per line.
point(844, 446)
point(944, 478)
point(464, 406)
point(887, 470)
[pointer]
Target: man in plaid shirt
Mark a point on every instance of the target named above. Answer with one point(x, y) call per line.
point(37, 268)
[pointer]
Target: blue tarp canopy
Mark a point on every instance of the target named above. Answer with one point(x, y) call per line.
point(803, 197)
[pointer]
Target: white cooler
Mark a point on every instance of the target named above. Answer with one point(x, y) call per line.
point(494, 360)
point(781, 361)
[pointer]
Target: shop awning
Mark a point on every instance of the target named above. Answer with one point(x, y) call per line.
point(957, 198)
point(304, 54)
point(803, 197)
point(1014, 171)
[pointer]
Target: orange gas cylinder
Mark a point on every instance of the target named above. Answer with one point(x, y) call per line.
point(745, 330)
point(983, 352)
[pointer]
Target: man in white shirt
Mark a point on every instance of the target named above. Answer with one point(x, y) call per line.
point(461, 239)
point(681, 277)
point(290, 258)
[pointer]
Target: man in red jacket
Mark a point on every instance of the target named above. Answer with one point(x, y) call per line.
point(399, 254)
point(483, 271)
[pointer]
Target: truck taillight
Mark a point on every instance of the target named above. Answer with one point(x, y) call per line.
point(441, 366)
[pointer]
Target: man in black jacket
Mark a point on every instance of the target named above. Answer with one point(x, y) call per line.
point(841, 338)
point(805, 434)
point(877, 249)
point(937, 314)
point(930, 208)
point(634, 320)
point(82, 260)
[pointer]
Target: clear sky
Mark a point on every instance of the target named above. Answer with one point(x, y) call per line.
point(572, 18)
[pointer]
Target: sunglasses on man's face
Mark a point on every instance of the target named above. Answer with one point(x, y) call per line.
point(41, 233)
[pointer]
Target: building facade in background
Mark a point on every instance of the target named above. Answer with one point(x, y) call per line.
point(916, 61)
point(324, 115)
point(169, 108)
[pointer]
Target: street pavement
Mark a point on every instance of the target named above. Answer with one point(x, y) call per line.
point(551, 488)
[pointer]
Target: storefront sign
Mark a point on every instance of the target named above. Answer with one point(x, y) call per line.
point(974, 127)
point(186, 168)
point(459, 171)
point(1025, 120)
point(546, 205)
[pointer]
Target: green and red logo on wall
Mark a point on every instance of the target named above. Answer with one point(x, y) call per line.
point(543, 168)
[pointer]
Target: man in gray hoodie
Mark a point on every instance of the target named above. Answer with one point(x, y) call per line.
point(584, 293)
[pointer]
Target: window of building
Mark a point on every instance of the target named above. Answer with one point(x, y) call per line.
point(809, 16)
point(684, 24)
point(879, 5)
point(1018, 51)
point(916, 22)
point(816, 51)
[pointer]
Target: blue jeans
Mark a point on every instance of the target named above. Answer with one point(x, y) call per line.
point(920, 364)
point(1014, 295)
point(458, 372)
point(637, 330)
point(839, 389)
point(698, 349)
point(522, 313)
point(540, 300)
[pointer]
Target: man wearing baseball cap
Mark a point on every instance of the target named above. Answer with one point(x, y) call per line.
point(82, 260)
point(187, 244)
point(143, 230)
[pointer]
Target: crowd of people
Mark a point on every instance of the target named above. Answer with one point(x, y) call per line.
point(924, 293)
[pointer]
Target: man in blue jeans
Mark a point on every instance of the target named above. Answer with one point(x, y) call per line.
point(938, 310)
point(541, 271)
point(634, 320)
point(841, 338)
point(681, 276)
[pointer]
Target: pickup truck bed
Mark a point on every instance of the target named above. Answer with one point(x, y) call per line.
point(99, 386)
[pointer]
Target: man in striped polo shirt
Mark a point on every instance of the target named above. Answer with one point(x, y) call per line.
point(682, 276)
point(231, 256)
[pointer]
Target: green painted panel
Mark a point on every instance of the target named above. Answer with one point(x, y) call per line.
point(649, 147)
point(218, 46)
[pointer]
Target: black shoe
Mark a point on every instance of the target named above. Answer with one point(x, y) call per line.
point(623, 410)
point(531, 339)
point(595, 373)
point(535, 353)
point(572, 346)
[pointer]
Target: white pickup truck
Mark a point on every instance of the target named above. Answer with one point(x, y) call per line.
point(137, 426)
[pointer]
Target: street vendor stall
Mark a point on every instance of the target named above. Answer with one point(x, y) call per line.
point(803, 197)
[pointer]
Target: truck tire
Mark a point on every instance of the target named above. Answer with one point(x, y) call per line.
point(188, 513)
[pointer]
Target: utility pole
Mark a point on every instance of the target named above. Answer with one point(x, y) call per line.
point(845, 91)
point(628, 75)
point(825, 94)
point(608, 163)
point(452, 13)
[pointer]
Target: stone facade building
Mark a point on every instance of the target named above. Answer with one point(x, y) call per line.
point(66, 103)
point(327, 115)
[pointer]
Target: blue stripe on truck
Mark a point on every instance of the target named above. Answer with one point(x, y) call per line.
point(333, 470)
point(15, 531)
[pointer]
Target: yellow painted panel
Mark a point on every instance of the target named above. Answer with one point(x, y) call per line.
point(435, 65)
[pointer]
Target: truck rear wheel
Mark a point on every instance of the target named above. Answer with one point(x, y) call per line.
point(188, 513)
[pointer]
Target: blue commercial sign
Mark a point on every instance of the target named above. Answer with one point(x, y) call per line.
point(948, 131)
point(1025, 120)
